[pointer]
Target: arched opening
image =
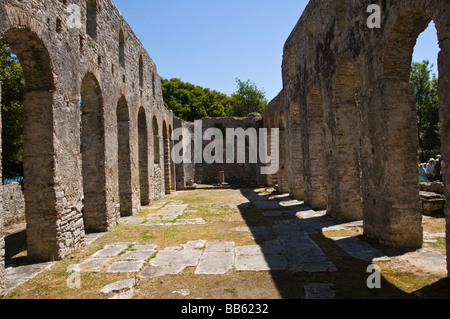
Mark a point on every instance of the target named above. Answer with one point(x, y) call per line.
point(156, 150)
point(124, 157)
point(38, 152)
point(397, 216)
point(93, 155)
point(167, 170)
point(91, 18)
point(172, 163)
point(296, 183)
point(315, 190)
point(271, 181)
point(121, 48)
point(283, 173)
point(345, 201)
point(141, 71)
point(143, 157)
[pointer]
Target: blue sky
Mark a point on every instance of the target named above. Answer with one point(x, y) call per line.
point(212, 42)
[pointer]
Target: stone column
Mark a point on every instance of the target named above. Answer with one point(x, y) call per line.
point(444, 106)
point(2, 238)
point(390, 190)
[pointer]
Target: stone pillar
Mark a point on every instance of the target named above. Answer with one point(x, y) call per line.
point(296, 181)
point(315, 187)
point(221, 177)
point(444, 106)
point(2, 238)
point(390, 190)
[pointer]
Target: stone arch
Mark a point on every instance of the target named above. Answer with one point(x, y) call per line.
point(344, 194)
point(124, 157)
point(167, 170)
point(143, 157)
point(315, 188)
point(93, 155)
point(38, 148)
point(395, 217)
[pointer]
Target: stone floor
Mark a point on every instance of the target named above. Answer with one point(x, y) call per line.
point(284, 246)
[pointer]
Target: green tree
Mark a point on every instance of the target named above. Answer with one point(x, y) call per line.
point(191, 102)
point(247, 99)
point(427, 104)
point(13, 88)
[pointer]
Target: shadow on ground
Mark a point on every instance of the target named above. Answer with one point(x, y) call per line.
point(314, 258)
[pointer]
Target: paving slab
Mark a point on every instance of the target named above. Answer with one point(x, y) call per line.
point(357, 248)
point(198, 244)
point(192, 221)
point(145, 247)
point(220, 247)
point(344, 226)
point(126, 266)
point(94, 264)
point(110, 251)
point(138, 255)
point(215, 263)
point(306, 214)
point(304, 254)
point(119, 286)
point(260, 250)
point(267, 205)
point(186, 257)
point(158, 271)
point(260, 262)
point(27, 271)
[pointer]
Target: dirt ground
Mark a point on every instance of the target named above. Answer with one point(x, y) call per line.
point(223, 210)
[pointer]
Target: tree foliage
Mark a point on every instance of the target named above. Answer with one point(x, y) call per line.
point(427, 104)
point(13, 88)
point(247, 99)
point(191, 102)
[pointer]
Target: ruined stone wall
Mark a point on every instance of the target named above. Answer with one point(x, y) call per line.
point(13, 204)
point(185, 171)
point(82, 169)
point(2, 238)
point(348, 94)
point(244, 174)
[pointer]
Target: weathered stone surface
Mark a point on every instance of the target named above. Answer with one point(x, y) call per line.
point(13, 204)
point(319, 291)
point(93, 264)
point(121, 289)
point(28, 271)
point(110, 251)
point(215, 263)
point(358, 249)
point(126, 266)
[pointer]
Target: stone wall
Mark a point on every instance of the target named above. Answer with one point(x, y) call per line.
point(236, 173)
point(13, 204)
point(350, 105)
point(84, 171)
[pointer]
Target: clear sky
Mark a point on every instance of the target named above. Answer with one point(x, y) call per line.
point(212, 42)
